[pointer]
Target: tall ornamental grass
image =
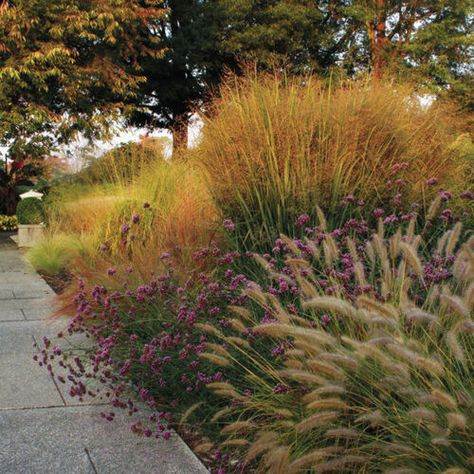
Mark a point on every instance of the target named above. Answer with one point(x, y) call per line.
point(167, 202)
point(274, 146)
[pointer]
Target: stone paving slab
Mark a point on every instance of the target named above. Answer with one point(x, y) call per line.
point(63, 432)
point(20, 343)
point(42, 429)
point(66, 461)
point(34, 314)
point(6, 294)
point(31, 308)
point(12, 314)
point(32, 293)
point(38, 328)
point(24, 384)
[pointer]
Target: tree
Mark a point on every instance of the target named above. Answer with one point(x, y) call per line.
point(299, 34)
point(204, 38)
point(426, 41)
point(179, 82)
point(68, 66)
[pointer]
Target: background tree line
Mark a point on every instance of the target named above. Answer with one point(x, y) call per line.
point(69, 66)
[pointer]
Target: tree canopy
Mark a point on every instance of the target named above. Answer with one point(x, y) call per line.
point(428, 42)
point(68, 66)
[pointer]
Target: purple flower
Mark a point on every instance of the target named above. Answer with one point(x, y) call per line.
point(399, 167)
point(125, 228)
point(392, 218)
point(280, 388)
point(348, 199)
point(397, 199)
point(111, 271)
point(229, 225)
point(278, 350)
point(377, 213)
point(135, 218)
point(302, 220)
point(445, 195)
point(432, 181)
point(467, 195)
point(446, 215)
point(325, 319)
point(146, 205)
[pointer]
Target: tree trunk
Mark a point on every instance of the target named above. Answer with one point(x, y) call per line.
point(180, 136)
point(378, 52)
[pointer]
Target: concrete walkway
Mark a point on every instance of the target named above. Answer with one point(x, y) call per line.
point(41, 430)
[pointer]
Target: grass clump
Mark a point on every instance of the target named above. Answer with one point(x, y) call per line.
point(54, 253)
point(374, 380)
point(274, 147)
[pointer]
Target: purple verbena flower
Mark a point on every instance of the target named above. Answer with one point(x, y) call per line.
point(302, 220)
point(378, 212)
point(229, 225)
point(445, 195)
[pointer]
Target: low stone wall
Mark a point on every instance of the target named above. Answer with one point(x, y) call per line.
point(29, 234)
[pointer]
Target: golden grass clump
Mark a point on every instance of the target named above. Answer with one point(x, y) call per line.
point(180, 219)
point(358, 395)
point(276, 146)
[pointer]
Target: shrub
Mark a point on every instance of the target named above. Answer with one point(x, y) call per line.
point(30, 211)
point(123, 164)
point(8, 223)
point(273, 147)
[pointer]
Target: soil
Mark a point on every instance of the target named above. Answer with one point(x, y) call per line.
point(58, 282)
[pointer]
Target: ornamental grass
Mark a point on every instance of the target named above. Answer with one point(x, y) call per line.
point(375, 377)
point(284, 144)
point(350, 351)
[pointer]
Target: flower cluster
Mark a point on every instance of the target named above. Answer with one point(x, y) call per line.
point(8, 223)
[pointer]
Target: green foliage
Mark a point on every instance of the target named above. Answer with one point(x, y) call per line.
point(17, 176)
point(30, 211)
point(427, 42)
point(8, 223)
point(297, 33)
